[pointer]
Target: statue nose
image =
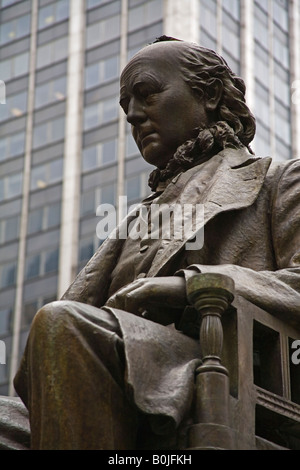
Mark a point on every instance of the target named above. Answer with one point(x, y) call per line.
point(136, 112)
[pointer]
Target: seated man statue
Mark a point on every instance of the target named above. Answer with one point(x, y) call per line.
point(110, 365)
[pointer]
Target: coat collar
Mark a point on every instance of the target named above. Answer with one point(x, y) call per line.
point(236, 178)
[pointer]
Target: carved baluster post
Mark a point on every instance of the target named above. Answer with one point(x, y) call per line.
point(211, 294)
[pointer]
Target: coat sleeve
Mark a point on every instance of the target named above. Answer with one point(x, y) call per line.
point(277, 292)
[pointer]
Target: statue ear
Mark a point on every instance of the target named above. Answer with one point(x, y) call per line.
point(214, 91)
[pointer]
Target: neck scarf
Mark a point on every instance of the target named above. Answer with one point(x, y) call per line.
point(208, 142)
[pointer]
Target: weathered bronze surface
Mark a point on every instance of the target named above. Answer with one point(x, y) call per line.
point(105, 367)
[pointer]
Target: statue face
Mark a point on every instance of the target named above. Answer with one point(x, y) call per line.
point(162, 109)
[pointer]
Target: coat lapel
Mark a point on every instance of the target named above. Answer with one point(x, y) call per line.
point(235, 184)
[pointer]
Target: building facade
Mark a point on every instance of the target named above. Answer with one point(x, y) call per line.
point(65, 146)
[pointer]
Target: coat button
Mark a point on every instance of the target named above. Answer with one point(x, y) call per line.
point(141, 275)
point(144, 248)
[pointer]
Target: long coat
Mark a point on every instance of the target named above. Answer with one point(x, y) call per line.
point(251, 233)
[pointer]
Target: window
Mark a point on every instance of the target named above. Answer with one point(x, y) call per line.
point(261, 143)
point(32, 266)
point(231, 36)
point(49, 92)
point(283, 151)
point(42, 263)
point(282, 122)
point(31, 308)
point(262, 108)
point(207, 41)
point(88, 203)
point(264, 4)
point(281, 13)
point(8, 274)
point(261, 58)
point(51, 261)
point(208, 23)
point(35, 221)
point(14, 29)
point(9, 229)
point(53, 213)
point(133, 188)
point(103, 31)
point(232, 7)
point(12, 145)
point(281, 47)
point(131, 147)
point(16, 106)
point(108, 194)
point(137, 187)
point(100, 113)
point(15, 66)
point(208, 16)
point(52, 52)
point(282, 84)
point(48, 132)
point(90, 200)
point(98, 155)
point(50, 14)
point(145, 14)
point(46, 174)
point(5, 320)
point(44, 218)
point(260, 26)
point(101, 72)
point(94, 3)
point(5, 3)
point(11, 186)
point(86, 249)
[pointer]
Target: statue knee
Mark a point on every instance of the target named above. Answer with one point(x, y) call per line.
point(53, 312)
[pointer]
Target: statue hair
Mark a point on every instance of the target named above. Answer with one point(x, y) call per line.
point(200, 67)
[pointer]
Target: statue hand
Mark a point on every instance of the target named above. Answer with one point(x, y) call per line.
point(160, 299)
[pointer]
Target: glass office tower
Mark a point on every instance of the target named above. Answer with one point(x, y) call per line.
point(65, 146)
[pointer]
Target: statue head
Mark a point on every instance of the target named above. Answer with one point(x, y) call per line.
point(174, 91)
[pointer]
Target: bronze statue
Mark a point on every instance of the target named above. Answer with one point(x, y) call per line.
point(111, 365)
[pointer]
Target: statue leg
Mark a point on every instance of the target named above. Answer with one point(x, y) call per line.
point(71, 379)
point(14, 424)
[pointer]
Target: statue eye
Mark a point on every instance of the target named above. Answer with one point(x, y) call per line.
point(144, 91)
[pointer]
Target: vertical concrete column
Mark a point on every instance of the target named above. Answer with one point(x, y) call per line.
point(219, 27)
point(121, 210)
point(247, 50)
point(181, 19)
point(72, 148)
point(294, 20)
point(271, 79)
point(25, 201)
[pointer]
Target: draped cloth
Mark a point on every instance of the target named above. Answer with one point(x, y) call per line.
point(89, 394)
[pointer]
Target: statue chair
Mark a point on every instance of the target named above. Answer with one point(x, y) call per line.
point(248, 386)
